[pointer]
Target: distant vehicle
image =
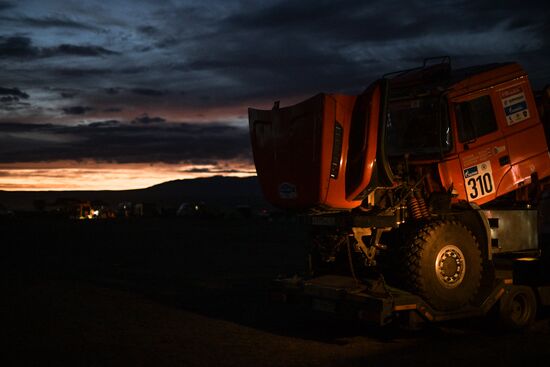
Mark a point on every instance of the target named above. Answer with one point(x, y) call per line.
point(86, 211)
point(422, 193)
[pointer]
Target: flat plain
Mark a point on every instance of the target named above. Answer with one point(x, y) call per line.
point(193, 292)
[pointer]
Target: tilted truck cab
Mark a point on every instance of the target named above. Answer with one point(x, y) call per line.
point(481, 128)
point(321, 153)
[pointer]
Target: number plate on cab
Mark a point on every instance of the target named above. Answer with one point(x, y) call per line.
point(479, 181)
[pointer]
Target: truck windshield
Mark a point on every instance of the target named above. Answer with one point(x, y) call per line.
point(418, 126)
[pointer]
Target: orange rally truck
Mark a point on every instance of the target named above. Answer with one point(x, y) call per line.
point(425, 194)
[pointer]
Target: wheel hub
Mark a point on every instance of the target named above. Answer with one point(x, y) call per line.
point(450, 266)
point(519, 309)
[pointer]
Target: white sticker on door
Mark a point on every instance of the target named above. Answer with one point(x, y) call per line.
point(479, 181)
point(515, 105)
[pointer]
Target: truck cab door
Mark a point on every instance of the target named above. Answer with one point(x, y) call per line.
point(367, 165)
point(482, 148)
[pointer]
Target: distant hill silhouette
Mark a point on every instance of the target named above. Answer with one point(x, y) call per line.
point(217, 190)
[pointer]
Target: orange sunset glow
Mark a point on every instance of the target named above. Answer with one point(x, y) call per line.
point(60, 176)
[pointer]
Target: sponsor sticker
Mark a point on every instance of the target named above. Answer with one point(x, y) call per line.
point(515, 105)
point(469, 172)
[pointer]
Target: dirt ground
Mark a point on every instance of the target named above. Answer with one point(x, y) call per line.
point(165, 292)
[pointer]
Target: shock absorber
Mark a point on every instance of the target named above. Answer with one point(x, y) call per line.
point(423, 207)
point(417, 207)
point(414, 207)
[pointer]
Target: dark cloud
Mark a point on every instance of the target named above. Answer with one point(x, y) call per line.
point(68, 95)
point(146, 120)
point(293, 15)
point(107, 123)
point(13, 104)
point(381, 20)
point(17, 47)
point(9, 99)
point(21, 47)
point(13, 92)
point(149, 30)
point(133, 70)
point(167, 42)
point(112, 109)
point(149, 92)
point(12, 127)
point(111, 141)
point(73, 72)
point(301, 47)
point(112, 91)
point(49, 21)
point(77, 51)
point(77, 110)
point(158, 37)
point(5, 5)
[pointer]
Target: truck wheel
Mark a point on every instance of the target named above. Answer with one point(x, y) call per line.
point(444, 264)
point(518, 308)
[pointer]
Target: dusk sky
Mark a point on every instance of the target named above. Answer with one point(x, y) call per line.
point(127, 94)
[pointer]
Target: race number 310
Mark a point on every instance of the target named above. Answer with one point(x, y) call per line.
point(479, 180)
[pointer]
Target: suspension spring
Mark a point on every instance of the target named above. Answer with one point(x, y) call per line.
point(414, 207)
point(423, 208)
point(418, 208)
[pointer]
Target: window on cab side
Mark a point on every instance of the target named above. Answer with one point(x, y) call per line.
point(475, 118)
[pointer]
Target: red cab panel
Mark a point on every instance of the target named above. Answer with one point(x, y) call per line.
point(301, 152)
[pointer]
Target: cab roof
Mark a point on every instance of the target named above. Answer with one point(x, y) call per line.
point(441, 77)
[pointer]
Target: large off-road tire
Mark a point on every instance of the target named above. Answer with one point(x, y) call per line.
point(443, 264)
point(517, 308)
